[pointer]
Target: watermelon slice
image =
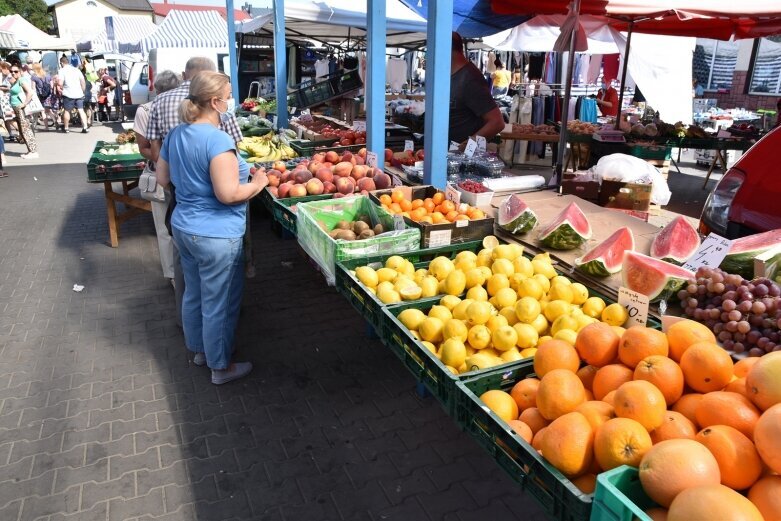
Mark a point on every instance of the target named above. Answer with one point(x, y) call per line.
point(676, 242)
point(653, 277)
point(515, 216)
point(607, 257)
point(568, 230)
point(740, 258)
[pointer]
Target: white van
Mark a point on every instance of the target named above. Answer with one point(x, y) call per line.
point(174, 59)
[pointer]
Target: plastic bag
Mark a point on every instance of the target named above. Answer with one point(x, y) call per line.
point(630, 169)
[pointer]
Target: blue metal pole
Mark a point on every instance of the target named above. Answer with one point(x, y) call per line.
point(280, 63)
point(234, 64)
point(437, 123)
point(375, 79)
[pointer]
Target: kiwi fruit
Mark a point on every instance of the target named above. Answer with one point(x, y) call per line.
point(344, 225)
point(346, 235)
point(365, 235)
point(360, 226)
point(378, 229)
point(333, 233)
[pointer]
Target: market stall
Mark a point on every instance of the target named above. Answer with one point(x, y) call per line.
point(27, 36)
point(128, 32)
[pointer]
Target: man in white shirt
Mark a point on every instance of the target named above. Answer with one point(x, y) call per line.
point(72, 83)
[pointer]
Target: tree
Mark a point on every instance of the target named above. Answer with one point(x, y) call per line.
point(34, 11)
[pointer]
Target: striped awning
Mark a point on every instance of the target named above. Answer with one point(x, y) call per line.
point(128, 32)
point(199, 29)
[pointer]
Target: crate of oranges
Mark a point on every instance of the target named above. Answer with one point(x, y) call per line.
point(441, 222)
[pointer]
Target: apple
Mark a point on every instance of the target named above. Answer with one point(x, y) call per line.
point(388, 154)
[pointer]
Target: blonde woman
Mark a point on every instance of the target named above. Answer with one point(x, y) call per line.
point(212, 190)
point(22, 93)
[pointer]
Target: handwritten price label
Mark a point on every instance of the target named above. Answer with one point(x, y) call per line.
point(636, 305)
point(471, 148)
point(409, 145)
point(712, 251)
point(359, 126)
point(481, 144)
point(453, 146)
point(371, 159)
point(452, 195)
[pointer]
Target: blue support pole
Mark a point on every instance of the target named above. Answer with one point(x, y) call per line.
point(280, 63)
point(375, 79)
point(234, 64)
point(437, 123)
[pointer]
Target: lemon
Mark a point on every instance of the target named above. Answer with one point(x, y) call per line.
point(540, 324)
point(495, 322)
point(441, 267)
point(583, 320)
point(373, 291)
point(486, 271)
point(465, 255)
point(431, 347)
point(411, 318)
point(459, 311)
point(395, 262)
point(440, 312)
point(465, 265)
point(455, 328)
point(560, 279)
point(455, 283)
point(384, 286)
point(530, 288)
point(431, 329)
point(543, 281)
point(544, 339)
point(402, 281)
point(555, 308)
point(453, 352)
point(477, 293)
point(367, 276)
point(485, 258)
point(449, 301)
point(497, 282)
point(505, 297)
point(462, 368)
point(479, 337)
point(527, 309)
point(504, 338)
point(517, 250)
point(503, 251)
point(593, 307)
point(480, 361)
point(511, 355)
point(441, 286)
point(407, 269)
point(527, 335)
point(490, 242)
point(523, 266)
point(503, 266)
point(470, 351)
point(411, 292)
point(614, 315)
point(388, 296)
point(491, 352)
point(515, 281)
point(420, 275)
point(563, 322)
point(386, 274)
point(429, 287)
point(529, 352)
point(478, 313)
point(509, 314)
point(543, 268)
point(579, 293)
point(474, 277)
point(567, 335)
point(619, 330)
point(451, 369)
point(415, 335)
point(561, 292)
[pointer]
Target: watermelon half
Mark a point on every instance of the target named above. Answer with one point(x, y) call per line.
point(653, 277)
point(608, 256)
point(515, 216)
point(676, 242)
point(568, 230)
point(740, 258)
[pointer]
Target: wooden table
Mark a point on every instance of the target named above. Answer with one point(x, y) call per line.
point(136, 206)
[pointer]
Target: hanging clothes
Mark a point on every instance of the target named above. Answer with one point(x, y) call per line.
point(536, 63)
point(321, 68)
point(571, 112)
point(350, 63)
point(396, 74)
point(595, 65)
point(489, 62)
point(550, 68)
point(588, 110)
point(610, 67)
point(538, 118)
point(332, 65)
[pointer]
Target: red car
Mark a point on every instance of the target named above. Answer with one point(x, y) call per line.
point(747, 200)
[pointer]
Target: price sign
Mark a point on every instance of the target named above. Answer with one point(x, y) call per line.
point(439, 238)
point(471, 148)
point(453, 146)
point(419, 164)
point(452, 195)
point(359, 126)
point(371, 159)
point(712, 251)
point(481, 144)
point(636, 305)
point(409, 145)
point(292, 110)
point(398, 222)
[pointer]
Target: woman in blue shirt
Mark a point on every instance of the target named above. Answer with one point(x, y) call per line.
point(212, 190)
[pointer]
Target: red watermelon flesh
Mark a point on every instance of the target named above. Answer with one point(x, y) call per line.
point(568, 230)
point(607, 257)
point(676, 242)
point(653, 277)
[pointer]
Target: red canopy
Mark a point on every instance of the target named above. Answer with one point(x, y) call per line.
point(719, 19)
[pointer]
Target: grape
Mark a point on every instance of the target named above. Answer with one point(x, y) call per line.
point(738, 347)
point(730, 295)
point(758, 307)
point(728, 344)
point(731, 326)
point(711, 287)
point(760, 291)
point(725, 335)
point(716, 301)
point(774, 336)
point(770, 304)
point(719, 288)
point(753, 336)
point(770, 346)
point(717, 277)
point(774, 291)
point(715, 314)
point(755, 351)
point(692, 302)
point(689, 311)
point(710, 323)
point(777, 348)
point(747, 297)
point(728, 305)
point(683, 295)
point(698, 314)
point(744, 307)
point(718, 327)
point(739, 337)
point(755, 320)
point(702, 290)
point(734, 315)
point(762, 342)
point(725, 317)
point(691, 289)
point(744, 327)
point(778, 323)
point(768, 323)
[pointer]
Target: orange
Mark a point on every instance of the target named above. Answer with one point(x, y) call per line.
point(712, 502)
point(586, 483)
point(766, 496)
point(687, 405)
point(451, 215)
point(395, 208)
point(476, 213)
point(428, 204)
point(555, 354)
point(417, 203)
point(538, 437)
point(525, 393)
point(501, 403)
point(447, 206)
point(763, 381)
point(675, 426)
point(685, 333)
point(738, 385)
point(522, 430)
point(610, 398)
point(725, 408)
point(620, 441)
point(767, 432)
point(568, 444)
point(641, 342)
point(438, 198)
point(664, 373)
point(743, 366)
point(597, 344)
point(426, 219)
point(596, 412)
point(560, 392)
point(657, 514)
point(462, 218)
point(397, 196)
point(641, 401)
point(610, 378)
point(533, 419)
point(386, 199)
point(437, 217)
point(586, 375)
point(672, 466)
point(738, 460)
point(405, 205)
point(706, 367)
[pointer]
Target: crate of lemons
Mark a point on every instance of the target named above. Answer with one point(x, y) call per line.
point(497, 305)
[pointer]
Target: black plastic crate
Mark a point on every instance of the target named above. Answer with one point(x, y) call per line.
point(284, 210)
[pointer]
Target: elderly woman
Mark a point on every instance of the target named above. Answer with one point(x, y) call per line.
point(209, 220)
point(21, 92)
point(164, 81)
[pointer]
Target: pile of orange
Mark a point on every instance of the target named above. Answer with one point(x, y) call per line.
point(703, 431)
point(432, 210)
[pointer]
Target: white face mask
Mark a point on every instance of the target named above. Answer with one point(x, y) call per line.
point(230, 108)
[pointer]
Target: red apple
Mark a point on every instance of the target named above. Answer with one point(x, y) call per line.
point(388, 154)
point(314, 186)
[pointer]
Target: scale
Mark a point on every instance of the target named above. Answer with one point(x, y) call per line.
point(609, 136)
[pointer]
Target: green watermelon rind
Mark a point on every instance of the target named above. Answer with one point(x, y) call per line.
point(563, 237)
point(524, 223)
point(595, 267)
point(742, 263)
point(673, 261)
point(674, 284)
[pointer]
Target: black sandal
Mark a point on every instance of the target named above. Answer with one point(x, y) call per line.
point(3, 174)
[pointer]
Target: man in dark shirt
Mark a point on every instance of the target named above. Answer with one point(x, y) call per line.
point(473, 111)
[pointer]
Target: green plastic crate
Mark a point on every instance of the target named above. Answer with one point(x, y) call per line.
point(662, 152)
point(110, 158)
point(309, 148)
point(284, 210)
point(267, 199)
point(556, 494)
point(619, 496)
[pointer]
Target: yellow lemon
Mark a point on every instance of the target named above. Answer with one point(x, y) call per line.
point(563, 322)
point(395, 262)
point(579, 293)
point(486, 271)
point(530, 287)
point(466, 255)
point(544, 339)
point(492, 352)
point(455, 328)
point(470, 351)
point(384, 286)
point(527, 335)
point(420, 275)
point(561, 292)
point(386, 274)
point(465, 264)
point(509, 314)
point(511, 355)
point(490, 242)
point(373, 291)
point(367, 276)
point(583, 320)
point(411, 318)
point(479, 337)
point(451, 369)
point(431, 347)
point(619, 330)
point(495, 322)
point(615, 315)
point(411, 292)
point(540, 324)
point(389, 296)
point(449, 301)
point(429, 287)
point(402, 281)
point(485, 258)
point(441, 267)
point(555, 308)
point(543, 268)
point(523, 266)
point(504, 251)
point(543, 281)
point(505, 297)
point(497, 282)
point(479, 361)
point(503, 266)
point(567, 335)
point(560, 279)
point(415, 334)
point(474, 277)
point(453, 352)
point(459, 311)
point(515, 281)
point(440, 312)
point(593, 307)
point(477, 293)
point(431, 329)
point(478, 313)
point(527, 309)
point(517, 250)
point(504, 338)
point(407, 269)
point(544, 256)
point(529, 352)
point(455, 283)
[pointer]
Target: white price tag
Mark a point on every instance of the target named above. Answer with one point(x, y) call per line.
point(636, 305)
point(712, 251)
point(462, 223)
point(453, 146)
point(452, 195)
point(371, 159)
point(409, 145)
point(419, 164)
point(398, 222)
point(439, 238)
point(292, 110)
point(471, 148)
point(359, 126)
point(481, 144)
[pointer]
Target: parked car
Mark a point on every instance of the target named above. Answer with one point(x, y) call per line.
point(746, 199)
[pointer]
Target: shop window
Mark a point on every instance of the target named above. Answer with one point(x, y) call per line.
point(766, 67)
point(714, 62)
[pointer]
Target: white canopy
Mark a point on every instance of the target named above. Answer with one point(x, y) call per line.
point(128, 32)
point(539, 34)
point(200, 29)
point(27, 36)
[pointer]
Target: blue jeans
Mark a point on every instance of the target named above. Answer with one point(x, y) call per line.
point(214, 282)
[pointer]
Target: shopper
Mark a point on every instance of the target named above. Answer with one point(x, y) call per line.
point(164, 81)
point(9, 118)
point(71, 82)
point(22, 93)
point(106, 96)
point(75, 59)
point(500, 79)
point(607, 99)
point(52, 104)
point(473, 111)
point(43, 88)
point(89, 99)
point(209, 221)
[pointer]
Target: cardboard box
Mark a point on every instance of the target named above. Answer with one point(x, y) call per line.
point(643, 216)
point(588, 190)
point(625, 196)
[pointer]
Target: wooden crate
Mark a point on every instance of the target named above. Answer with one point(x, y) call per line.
point(662, 164)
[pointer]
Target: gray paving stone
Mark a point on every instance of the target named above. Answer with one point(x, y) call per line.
point(94, 493)
point(119, 465)
point(121, 509)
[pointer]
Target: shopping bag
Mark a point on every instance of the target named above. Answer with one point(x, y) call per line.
point(34, 106)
